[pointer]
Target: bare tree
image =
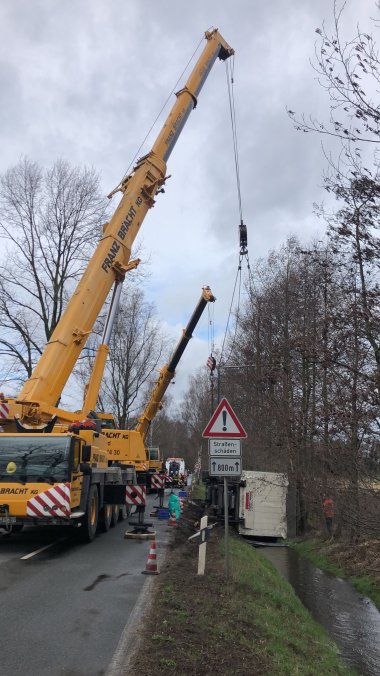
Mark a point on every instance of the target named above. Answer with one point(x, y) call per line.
point(194, 416)
point(349, 71)
point(50, 222)
point(353, 229)
point(137, 352)
point(170, 434)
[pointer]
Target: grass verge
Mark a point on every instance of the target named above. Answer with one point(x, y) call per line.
point(270, 604)
point(329, 557)
point(251, 624)
point(198, 491)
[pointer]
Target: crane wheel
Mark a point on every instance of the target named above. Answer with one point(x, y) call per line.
point(87, 530)
point(105, 517)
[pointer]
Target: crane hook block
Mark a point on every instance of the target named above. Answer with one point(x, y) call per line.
point(243, 238)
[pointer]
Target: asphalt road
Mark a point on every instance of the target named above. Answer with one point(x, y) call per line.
point(65, 606)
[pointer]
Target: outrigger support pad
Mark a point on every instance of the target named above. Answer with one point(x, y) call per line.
point(141, 528)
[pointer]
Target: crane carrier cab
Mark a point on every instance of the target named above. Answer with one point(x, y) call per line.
point(155, 458)
point(60, 478)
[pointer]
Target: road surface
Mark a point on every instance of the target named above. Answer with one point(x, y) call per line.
point(64, 606)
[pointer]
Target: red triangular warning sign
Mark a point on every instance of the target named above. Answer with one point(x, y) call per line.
point(224, 423)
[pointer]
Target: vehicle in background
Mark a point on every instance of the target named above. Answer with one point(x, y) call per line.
point(175, 475)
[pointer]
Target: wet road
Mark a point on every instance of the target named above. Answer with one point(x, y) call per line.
point(352, 620)
point(64, 607)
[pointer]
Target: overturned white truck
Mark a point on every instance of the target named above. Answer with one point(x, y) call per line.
point(263, 504)
point(259, 503)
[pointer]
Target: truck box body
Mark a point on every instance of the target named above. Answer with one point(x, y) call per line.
point(263, 502)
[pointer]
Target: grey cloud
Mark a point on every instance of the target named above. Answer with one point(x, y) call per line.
point(84, 80)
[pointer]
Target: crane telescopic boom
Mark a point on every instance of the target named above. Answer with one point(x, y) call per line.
point(167, 372)
point(111, 257)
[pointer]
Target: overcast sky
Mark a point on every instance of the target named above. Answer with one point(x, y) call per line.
point(84, 80)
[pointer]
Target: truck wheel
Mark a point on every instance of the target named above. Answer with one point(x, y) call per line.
point(105, 518)
point(90, 520)
point(124, 514)
point(115, 515)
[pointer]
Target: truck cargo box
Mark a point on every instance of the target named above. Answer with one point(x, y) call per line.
point(263, 501)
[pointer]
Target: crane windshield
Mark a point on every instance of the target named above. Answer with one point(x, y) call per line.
point(154, 453)
point(34, 458)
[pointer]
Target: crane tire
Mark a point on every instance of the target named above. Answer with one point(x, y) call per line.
point(105, 518)
point(87, 529)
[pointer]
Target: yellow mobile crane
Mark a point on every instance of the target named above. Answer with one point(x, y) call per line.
point(54, 469)
point(129, 446)
point(166, 376)
point(125, 446)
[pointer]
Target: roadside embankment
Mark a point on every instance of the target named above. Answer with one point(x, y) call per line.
point(358, 563)
point(251, 624)
point(198, 491)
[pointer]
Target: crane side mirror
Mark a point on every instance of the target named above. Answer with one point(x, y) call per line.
point(86, 453)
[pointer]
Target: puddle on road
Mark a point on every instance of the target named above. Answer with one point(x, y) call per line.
point(352, 620)
point(103, 577)
point(99, 579)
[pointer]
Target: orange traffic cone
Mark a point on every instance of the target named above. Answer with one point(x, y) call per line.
point(173, 520)
point(151, 564)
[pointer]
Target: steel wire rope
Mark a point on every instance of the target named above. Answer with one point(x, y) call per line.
point(211, 329)
point(251, 288)
point(237, 317)
point(230, 68)
point(230, 89)
point(230, 313)
point(250, 276)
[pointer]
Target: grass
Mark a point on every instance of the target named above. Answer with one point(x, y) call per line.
point(168, 662)
point(367, 587)
point(252, 623)
point(198, 491)
point(314, 550)
point(268, 602)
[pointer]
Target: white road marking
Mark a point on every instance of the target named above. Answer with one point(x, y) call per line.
point(42, 549)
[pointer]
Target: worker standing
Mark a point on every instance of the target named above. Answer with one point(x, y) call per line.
point(329, 512)
point(174, 505)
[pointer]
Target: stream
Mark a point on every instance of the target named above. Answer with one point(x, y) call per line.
point(351, 619)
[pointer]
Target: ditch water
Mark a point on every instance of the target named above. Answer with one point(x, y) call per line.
point(351, 619)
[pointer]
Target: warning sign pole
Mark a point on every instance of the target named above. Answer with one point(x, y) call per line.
point(226, 547)
point(224, 426)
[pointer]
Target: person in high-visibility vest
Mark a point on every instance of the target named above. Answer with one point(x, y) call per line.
point(174, 505)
